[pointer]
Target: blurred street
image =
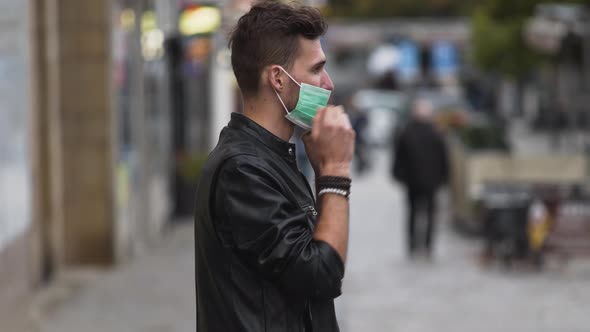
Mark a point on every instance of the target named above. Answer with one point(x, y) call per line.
point(383, 290)
point(110, 110)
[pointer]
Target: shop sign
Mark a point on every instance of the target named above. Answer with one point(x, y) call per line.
point(198, 20)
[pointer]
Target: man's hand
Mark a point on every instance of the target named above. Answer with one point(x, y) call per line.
point(330, 144)
point(330, 147)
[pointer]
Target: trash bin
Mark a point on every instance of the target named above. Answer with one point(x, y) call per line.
point(505, 214)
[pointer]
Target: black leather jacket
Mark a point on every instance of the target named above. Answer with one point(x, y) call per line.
point(258, 267)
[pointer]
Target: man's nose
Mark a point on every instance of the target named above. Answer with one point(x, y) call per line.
point(327, 82)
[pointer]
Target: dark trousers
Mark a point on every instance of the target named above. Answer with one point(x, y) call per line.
point(421, 204)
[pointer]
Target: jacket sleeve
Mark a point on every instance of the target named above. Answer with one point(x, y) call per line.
point(272, 234)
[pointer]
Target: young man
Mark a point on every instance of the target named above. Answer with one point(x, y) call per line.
point(267, 256)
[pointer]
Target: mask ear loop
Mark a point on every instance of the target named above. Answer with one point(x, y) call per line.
point(280, 99)
point(291, 77)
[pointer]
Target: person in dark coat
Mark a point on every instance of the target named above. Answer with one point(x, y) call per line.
point(421, 164)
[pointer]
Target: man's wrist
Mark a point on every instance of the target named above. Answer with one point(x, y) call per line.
point(342, 170)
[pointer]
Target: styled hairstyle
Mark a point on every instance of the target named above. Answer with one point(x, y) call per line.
point(269, 34)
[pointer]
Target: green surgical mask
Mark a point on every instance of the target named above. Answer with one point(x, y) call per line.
point(311, 98)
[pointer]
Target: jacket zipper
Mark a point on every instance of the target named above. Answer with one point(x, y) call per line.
point(312, 209)
point(309, 324)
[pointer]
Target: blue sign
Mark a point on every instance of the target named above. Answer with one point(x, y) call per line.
point(409, 65)
point(445, 61)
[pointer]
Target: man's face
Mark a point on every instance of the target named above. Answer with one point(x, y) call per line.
point(309, 67)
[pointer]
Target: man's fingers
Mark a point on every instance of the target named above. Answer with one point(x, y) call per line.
point(331, 116)
point(321, 114)
point(317, 122)
point(340, 117)
point(346, 121)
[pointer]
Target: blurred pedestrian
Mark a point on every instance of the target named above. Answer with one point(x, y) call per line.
point(421, 164)
point(267, 256)
point(359, 121)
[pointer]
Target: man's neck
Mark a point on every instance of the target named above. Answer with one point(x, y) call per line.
point(264, 112)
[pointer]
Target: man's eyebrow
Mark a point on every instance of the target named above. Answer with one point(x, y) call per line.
point(319, 64)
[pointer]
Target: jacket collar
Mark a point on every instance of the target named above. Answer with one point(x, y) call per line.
point(279, 146)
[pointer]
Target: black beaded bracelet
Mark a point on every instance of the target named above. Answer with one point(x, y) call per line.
point(333, 182)
point(335, 179)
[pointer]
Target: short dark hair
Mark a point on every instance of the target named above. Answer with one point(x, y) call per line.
point(269, 34)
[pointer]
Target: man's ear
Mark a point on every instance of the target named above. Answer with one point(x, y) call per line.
point(275, 77)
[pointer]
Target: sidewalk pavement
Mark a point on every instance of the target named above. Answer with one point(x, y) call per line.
point(155, 293)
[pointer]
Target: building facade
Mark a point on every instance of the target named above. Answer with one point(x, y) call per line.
point(84, 137)
point(15, 154)
point(101, 103)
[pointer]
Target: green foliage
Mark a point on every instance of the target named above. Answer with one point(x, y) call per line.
point(498, 28)
point(499, 45)
point(497, 36)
